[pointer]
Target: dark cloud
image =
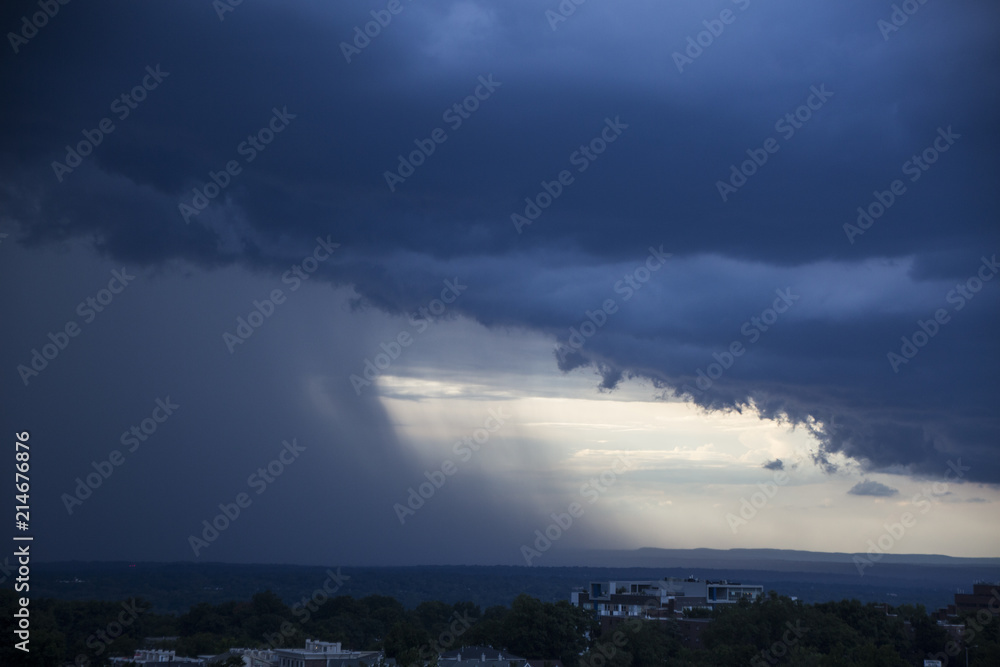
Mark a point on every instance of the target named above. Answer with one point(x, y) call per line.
point(822, 365)
point(872, 488)
point(776, 464)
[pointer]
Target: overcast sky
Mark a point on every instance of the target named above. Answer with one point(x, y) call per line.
point(452, 267)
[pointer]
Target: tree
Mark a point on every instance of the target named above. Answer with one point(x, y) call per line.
point(403, 638)
point(534, 629)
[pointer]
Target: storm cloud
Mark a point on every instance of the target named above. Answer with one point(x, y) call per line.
point(799, 221)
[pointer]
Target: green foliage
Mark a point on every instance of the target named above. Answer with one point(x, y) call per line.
point(535, 629)
point(401, 640)
point(983, 637)
point(832, 634)
point(488, 630)
point(773, 630)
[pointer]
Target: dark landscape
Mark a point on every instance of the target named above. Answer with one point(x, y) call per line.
point(811, 577)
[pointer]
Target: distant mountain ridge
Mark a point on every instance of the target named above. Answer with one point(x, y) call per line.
point(747, 558)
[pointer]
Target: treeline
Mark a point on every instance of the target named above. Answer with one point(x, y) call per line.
point(777, 630)
point(88, 632)
point(771, 631)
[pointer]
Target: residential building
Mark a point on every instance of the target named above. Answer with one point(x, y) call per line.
point(325, 654)
point(479, 656)
point(660, 598)
point(984, 596)
point(542, 662)
point(252, 657)
point(691, 630)
point(143, 658)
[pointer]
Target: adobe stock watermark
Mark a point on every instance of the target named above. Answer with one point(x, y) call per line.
point(562, 522)
point(87, 310)
point(306, 607)
point(787, 126)
point(753, 329)
point(581, 158)
point(779, 649)
point(899, 16)
point(630, 283)
point(926, 329)
point(6, 569)
point(758, 499)
point(894, 532)
point(454, 115)
point(562, 12)
point(381, 18)
point(31, 25)
point(223, 7)
point(914, 168)
point(263, 310)
point(248, 149)
point(259, 481)
point(133, 438)
point(429, 653)
point(713, 29)
point(121, 106)
point(464, 450)
point(102, 639)
point(394, 348)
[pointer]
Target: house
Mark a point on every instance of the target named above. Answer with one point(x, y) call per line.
point(325, 654)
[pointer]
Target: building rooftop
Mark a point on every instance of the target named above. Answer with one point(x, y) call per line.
point(480, 653)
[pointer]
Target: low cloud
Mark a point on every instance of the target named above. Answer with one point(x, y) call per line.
point(872, 488)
